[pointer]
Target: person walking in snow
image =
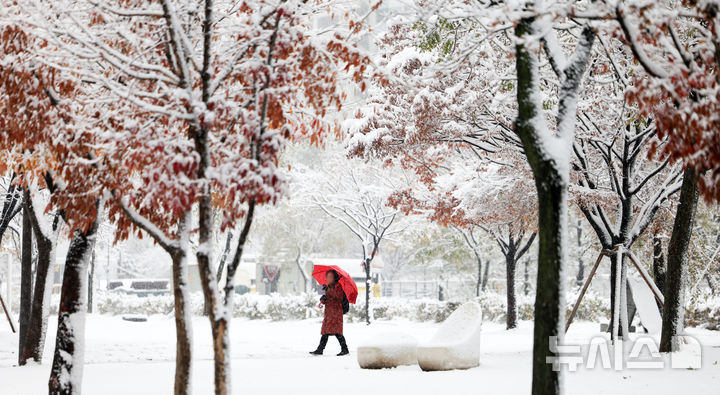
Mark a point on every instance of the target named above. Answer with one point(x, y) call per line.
point(333, 300)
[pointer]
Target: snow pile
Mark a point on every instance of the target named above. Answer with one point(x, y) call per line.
point(456, 345)
point(387, 350)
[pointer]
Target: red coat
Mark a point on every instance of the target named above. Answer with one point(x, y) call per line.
point(333, 321)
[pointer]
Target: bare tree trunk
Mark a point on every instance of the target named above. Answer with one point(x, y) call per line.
point(549, 305)
point(67, 367)
point(304, 275)
point(485, 275)
point(579, 279)
point(674, 309)
point(26, 282)
point(367, 291)
point(658, 265)
point(511, 319)
point(37, 325)
point(526, 278)
point(91, 278)
point(478, 283)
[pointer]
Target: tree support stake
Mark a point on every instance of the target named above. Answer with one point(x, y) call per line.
point(7, 313)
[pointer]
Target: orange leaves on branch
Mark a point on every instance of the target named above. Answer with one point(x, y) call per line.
point(46, 135)
point(686, 103)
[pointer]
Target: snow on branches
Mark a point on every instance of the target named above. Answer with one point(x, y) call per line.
point(48, 132)
point(677, 46)
point(184, 118)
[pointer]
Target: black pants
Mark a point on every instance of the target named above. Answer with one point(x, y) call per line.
point(324, 340)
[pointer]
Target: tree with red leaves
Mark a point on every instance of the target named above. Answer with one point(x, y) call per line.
point(197, 101)
point(49, 141)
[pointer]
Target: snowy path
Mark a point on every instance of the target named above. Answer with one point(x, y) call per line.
point(271, 358)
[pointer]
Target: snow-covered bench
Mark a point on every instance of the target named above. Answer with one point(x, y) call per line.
point(456, 345)
point(388, 350)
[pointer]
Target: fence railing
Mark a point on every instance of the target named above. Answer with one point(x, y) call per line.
point(432, 289)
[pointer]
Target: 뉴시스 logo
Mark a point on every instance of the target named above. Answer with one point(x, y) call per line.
point(639, 353)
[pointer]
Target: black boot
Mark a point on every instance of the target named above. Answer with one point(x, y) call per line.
point(343, 346)
point(321, 346)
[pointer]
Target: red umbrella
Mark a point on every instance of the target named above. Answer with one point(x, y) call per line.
point(346, 282)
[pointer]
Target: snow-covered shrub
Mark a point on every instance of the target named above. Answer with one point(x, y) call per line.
point(705, 314)
point(277, 307)
point(593, 307)
point(118, 303)
point(412, 309)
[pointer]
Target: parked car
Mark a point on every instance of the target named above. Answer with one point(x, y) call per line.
point(140, 287)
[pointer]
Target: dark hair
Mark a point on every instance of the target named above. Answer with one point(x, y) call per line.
point(335, 274)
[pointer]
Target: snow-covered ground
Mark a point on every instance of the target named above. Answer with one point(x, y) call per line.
point(271, 358)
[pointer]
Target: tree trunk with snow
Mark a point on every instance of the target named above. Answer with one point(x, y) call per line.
point(221, 315)
point(640, 189)
point(177, 248)
point(552, 217)
point(218, 320)
point(674, 309)
point(67, 367)
point(221, 267)
point(183, 330)
point(25, 282)
point(550, 168)
point(619, 316)
point(37, 325)
point(217, 316)
point(223, 258)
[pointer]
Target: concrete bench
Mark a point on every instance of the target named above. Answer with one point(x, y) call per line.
point(456, 345)
point(387, 350)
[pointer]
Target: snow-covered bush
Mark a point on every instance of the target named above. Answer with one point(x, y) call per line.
point(412, 309)
point(277, 307)
point(118, 303)
point(705, 314)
